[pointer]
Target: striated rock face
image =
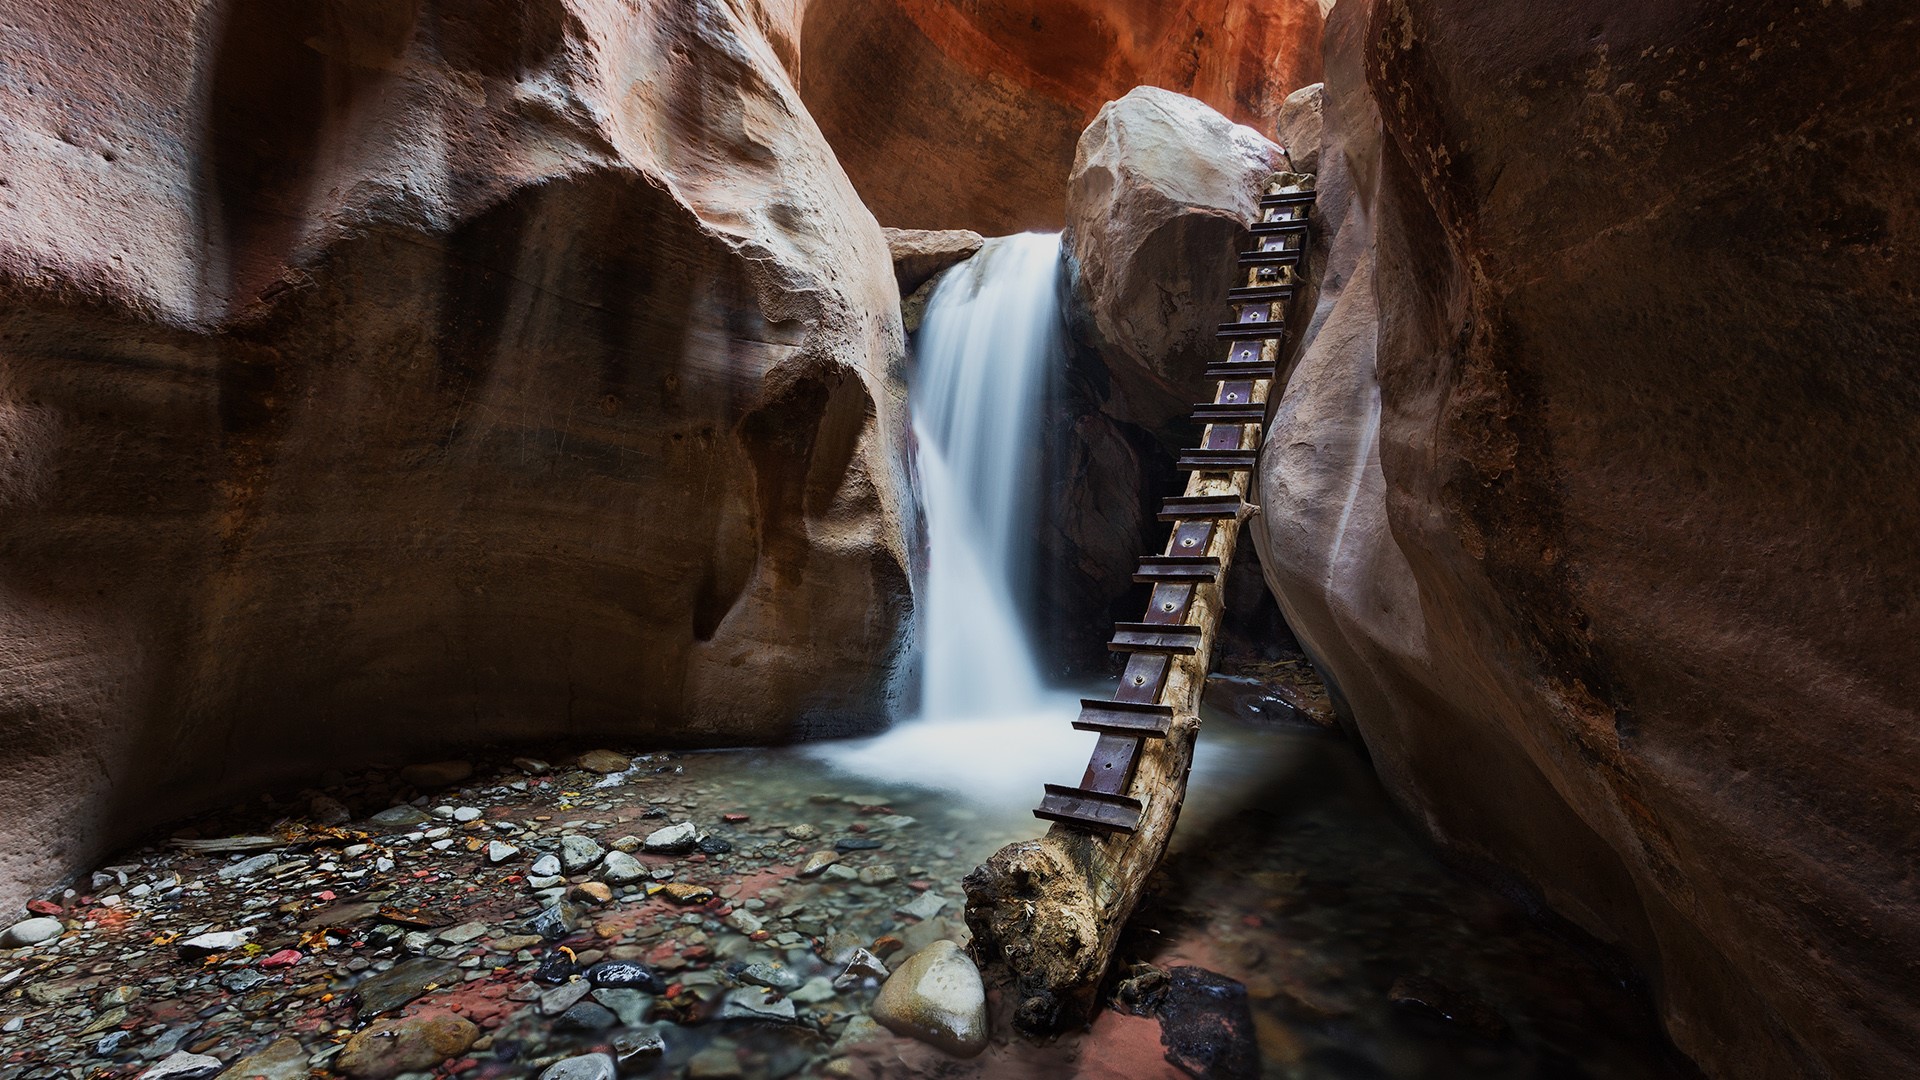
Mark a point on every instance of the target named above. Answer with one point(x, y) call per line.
point(375, 377)
point(1591, 490)
point(966, 115)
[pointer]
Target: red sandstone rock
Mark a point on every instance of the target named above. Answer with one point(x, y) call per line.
point(1591, 491)
point(966, 115)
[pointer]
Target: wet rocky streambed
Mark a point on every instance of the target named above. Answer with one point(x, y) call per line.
point(735, 914)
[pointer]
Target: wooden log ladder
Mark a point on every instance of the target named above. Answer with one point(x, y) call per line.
point(1046, 913)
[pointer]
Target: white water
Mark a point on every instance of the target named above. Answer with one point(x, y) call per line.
point(991, 345)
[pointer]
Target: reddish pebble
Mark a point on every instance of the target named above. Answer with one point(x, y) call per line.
point(324, 894)
point(673, 991)
point(735, 819)
point(463, 1065)
point(886, 946)
point(283, 958)
point(43, 907)
point(919, 886)
point(760, 935)
point(696, 858)
point(858, 826)
point(1252, 920)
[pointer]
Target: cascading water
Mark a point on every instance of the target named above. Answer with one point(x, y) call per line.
point(992, 342)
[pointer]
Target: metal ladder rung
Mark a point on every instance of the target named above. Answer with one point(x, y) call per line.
point(1201, 459)
point(1254, 412)
point(1185, 568)
point(1091, 809)
point(1177, 640)
point(1125, 718)
point(1239, 371)
point(1235, 331)
point(1256, 294)
point(1200, 507)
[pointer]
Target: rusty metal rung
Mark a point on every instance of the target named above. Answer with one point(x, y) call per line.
point(1279, 228)
point(1180, 639)
point(1253, 412)
point(1240, 371)
point(1125, 718)
point(1095, 810)
point(1287, 198)
point(1200, 507)
point(1283, 257)
point(1201, 459)
point(1257, 294)
point(1238, 330)
point(1185, 568)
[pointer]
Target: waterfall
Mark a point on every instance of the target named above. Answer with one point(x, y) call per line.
point(992, 341)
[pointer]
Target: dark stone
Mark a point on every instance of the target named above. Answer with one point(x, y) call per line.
point(556, 922)
point(391, 989)
point(713, 845)
point(626, 973)
point(557, 968)
point(1460, 1010)
point(855, 843)
point(1206, 1024)
point(586, 1016)
point(636, 1047)
point(242, 981)
point(110, 1043)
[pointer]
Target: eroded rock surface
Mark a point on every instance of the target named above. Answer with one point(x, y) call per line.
point(966, 115)
point(1162, 191)
point(377, 377)
point(1589, 491)
point(920, 254)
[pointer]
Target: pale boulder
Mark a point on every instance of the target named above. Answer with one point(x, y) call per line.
point(936, 997)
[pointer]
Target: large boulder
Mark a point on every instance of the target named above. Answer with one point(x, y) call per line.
point(378, 377)
point(1161, 194)
point(1591, 490)
point(919, 255)
point(1162, 191)
point(966, 115)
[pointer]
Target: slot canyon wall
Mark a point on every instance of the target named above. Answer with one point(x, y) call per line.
point(966, 116)
point(1591, 489)
point(377, 378)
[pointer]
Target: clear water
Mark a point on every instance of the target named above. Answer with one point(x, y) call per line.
point(989, 350)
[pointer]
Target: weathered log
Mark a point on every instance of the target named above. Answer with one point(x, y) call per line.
point(1047, 913)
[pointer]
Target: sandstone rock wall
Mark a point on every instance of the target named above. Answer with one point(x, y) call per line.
point(966, 115)
point(1590, 489)
point(375, 377)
